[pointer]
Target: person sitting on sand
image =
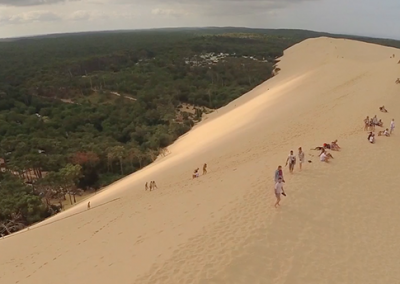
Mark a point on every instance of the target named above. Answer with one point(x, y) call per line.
point(383, 109)
point(380, 123)
point(318, 148)
point(204, 169)
point(335, 146)
point(325, 156)
point(371, 138)
point(386, 132)
point(326, 145)
point(375, 120)
point(195, 173)
point(371, 125)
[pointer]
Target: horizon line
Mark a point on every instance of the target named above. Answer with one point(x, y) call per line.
point(3, 39)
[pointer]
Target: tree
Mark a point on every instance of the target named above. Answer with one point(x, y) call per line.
point(67, 178)
point(120, 153)
point(19, 207)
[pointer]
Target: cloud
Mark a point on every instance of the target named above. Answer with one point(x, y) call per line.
point(30, 17)
point(20, 3)
point(93, 15)
point(170, 12)
point(219, 7)
point(83, 15)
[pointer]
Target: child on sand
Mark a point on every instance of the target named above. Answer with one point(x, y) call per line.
point(291, 159)
point(278, 191)
point(195, 173)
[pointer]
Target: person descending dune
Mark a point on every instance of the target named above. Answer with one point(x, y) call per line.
point(278, 191)
point(291, 159)
point(204, 169)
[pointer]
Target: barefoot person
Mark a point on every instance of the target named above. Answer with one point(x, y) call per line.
point(383, 109)
point(392, 126)
point(325, 156)
point(291, 159)
point(278, 191)
point(204, 169)
point(146, 186)
point(301, 157)
point(335, 146)
point(195, 173)
point(279, 174)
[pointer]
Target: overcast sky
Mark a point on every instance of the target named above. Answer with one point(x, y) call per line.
point(360, 17)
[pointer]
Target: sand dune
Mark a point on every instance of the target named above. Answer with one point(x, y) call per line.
point(338, 223)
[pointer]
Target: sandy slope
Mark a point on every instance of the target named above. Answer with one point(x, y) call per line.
point(338, 224)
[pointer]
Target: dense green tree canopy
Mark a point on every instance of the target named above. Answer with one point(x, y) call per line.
point(80, 111)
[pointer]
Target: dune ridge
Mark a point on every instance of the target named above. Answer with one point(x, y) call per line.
point(337, 224)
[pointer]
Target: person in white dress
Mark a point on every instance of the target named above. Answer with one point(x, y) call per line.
point(392, 126)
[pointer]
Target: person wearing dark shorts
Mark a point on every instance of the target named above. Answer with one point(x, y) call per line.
point(291, 160)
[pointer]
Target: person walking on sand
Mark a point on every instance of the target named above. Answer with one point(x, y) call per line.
point(154, 184)
point(278, 191)
point(291, 159)
point(392, 126)
point(204, 169)
point(301, 157)
point(279, 174)
point(146, 186)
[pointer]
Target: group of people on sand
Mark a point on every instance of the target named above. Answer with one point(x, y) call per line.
point(369, 125)
point(325, 156)
point(196, 172)
point(150, 186)
point(291, 160)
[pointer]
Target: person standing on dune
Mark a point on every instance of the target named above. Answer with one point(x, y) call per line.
point(392, 126)
point(301, 157)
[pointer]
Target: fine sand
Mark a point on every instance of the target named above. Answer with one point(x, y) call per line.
point(338, 223)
